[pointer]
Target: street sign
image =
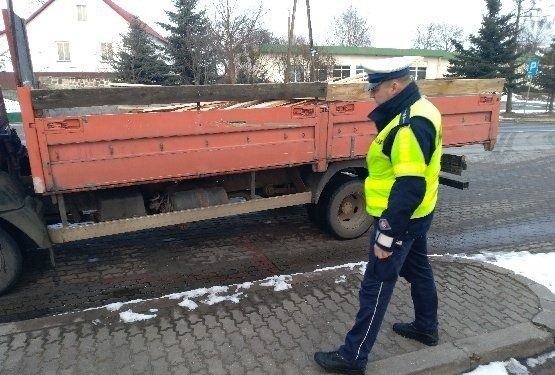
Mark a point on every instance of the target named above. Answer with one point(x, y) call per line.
point(533, 67)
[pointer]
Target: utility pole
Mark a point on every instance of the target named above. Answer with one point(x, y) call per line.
point(291, 28)
point(311, 41)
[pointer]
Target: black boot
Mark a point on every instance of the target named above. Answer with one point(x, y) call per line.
point(407, 330)
point(333, 362)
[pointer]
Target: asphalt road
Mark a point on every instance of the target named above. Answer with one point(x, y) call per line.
point(510, 206)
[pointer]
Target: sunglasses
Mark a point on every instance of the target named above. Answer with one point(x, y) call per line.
point(375, 88)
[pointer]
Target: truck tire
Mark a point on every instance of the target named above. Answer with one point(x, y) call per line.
point(346, 216)
point(10, 261)
point(317, 212)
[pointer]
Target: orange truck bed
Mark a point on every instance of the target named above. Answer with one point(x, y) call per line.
point(79, 153)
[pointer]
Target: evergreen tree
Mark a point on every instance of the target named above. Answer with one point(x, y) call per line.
point(190, 44)
point(139, 60)
point(492, 53)
point(546, 75)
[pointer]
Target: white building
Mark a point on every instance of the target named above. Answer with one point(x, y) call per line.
point(349, 61)
point(74, 38)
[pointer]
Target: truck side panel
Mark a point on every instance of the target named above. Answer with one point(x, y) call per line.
point(469, 119)
point(126, 149)
point(117, 150)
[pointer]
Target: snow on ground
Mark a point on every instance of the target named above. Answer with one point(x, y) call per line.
point(217, 294)
point(12, 106)
point(537, 267)
point(131, 317)
point(279, 283)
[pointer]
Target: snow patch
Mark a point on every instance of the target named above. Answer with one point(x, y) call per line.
point(350, 266)
point(246, 285)
point(214, 298)
point(537, 266)
point(131, 317)
point(494, 368)
point(341, 279)
point(533, 362)
point(281, 282)
point(514, 367)
point(114, 306)
point(191, 305)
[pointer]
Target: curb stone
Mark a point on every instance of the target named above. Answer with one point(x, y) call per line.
point(467, 354)
point(463, 355)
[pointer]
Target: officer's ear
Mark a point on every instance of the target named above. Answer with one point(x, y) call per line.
point(395, 86)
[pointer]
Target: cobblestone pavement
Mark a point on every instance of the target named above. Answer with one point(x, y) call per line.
point(263, 331)
point(510, 206)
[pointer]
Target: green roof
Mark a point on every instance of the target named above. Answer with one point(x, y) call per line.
point(364, 51)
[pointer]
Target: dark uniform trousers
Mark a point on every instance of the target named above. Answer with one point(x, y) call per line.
point(409, 260)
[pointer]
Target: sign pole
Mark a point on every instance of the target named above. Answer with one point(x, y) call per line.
point(528, 94)
point(532, 70)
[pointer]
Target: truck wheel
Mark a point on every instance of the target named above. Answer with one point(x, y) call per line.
point(317, 212)
point(346, 216)
point(10, 261)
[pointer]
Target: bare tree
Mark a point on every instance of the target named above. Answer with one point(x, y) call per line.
point(437, 36)
point(307, 64)
point(533, 26)
point(234, 30)
point(350, 29)
point(29, 6)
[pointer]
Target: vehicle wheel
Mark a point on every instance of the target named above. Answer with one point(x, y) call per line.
point(316, 214)
point(10, 261)
point(346, 216)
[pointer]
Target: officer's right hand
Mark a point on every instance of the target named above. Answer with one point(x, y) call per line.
point(381, 253)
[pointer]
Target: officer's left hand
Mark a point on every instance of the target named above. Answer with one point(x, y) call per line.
point(380, 253)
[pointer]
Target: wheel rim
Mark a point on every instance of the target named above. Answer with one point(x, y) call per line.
point(351, 211)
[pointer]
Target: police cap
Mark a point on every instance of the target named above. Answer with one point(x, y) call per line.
point(386, 69)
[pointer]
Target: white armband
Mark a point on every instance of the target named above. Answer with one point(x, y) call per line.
point(384, 240)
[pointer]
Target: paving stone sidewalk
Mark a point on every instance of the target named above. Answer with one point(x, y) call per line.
point(274, 326)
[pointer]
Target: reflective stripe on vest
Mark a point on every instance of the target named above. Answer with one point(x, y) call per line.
point(406, 160)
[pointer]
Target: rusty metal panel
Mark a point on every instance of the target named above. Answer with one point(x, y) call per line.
point(471, 119)
point(99, 151)
point(118, 150)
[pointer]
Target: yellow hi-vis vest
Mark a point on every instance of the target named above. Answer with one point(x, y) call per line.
point(406, 160)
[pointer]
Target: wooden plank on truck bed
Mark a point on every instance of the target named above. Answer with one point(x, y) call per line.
point(430, 87)
point(71, 98)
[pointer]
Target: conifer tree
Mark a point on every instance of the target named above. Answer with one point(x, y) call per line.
point(546, 74)
point(190, 45)
point(139, 60)
point(492, 52)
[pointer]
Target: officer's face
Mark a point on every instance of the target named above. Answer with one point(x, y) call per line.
point(384, 91)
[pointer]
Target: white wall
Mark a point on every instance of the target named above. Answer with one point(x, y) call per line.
point(59, 22)
point(435, 67)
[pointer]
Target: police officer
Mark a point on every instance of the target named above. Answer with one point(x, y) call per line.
point(401, 192)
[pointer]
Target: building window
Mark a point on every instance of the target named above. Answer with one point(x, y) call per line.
point(418, 72)
point(321, 74)
point(106, 51)
point(359, 69)
point(341, 71)
point(63, 51)
point(81, 12)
